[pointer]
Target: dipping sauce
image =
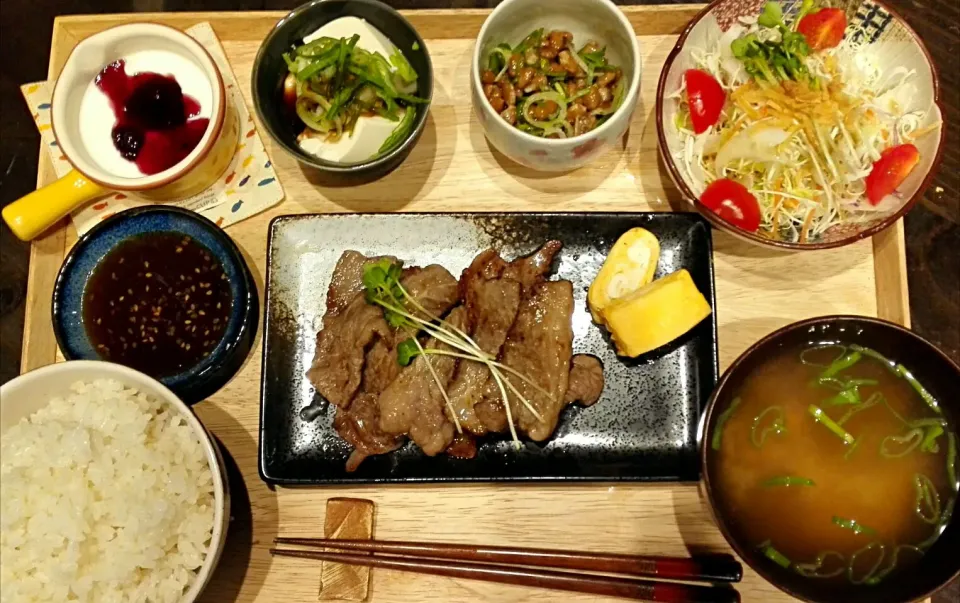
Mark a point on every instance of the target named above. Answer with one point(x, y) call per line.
point(158, 303)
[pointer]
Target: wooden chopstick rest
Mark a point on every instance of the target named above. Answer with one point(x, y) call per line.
point(351, 519)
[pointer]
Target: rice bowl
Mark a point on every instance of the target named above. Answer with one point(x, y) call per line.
point(112, 489)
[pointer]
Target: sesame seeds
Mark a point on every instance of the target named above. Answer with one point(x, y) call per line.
point(166, 328)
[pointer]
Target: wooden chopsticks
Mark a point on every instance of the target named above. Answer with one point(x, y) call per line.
point(523, 566)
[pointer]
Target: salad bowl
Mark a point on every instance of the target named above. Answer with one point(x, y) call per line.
point(891, 67)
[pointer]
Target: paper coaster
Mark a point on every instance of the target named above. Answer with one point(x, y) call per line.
point(248, 186)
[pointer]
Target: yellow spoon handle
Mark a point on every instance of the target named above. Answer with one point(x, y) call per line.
point(32, 214)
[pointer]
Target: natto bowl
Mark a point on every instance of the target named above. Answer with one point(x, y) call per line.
point(270, 70)
point(202, 380)
point(598, 20)
point(33, 390)
point(894, 43)
point(939, 375)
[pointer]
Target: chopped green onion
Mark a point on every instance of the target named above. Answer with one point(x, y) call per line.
point(821, 417)
point(841, 364)
point(873, 569)
point(614, 103)
point(844, 398)
point(927, 500)
point(853, 525)
point(911, 439)
point(952, 462)
point(415, 45)
point(871, 401)
point(318, 47)
point(499, 59)
point(774, 555)
point(849, 453)
point(813, 570)
point(318, 65)
point(894, 559)
point(924, 394)
point(721, 423)
point(929, 443)
point(941, 525)
point(404, 68)
point(803, 355)
point(549, 95)
point(876, 356)
point(787, 481)
point(777, 427)
point(531, 41)
point(401, 132)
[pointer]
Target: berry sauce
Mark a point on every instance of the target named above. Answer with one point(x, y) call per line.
point(157, 124)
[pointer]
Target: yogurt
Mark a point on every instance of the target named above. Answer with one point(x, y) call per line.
point(369, 133)
point(96, 117)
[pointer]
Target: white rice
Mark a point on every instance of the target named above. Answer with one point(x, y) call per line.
point(107, 497)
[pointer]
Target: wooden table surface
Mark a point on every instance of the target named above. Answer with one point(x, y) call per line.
point(632, 515)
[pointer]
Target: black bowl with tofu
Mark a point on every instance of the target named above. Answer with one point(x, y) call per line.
point(358, 92)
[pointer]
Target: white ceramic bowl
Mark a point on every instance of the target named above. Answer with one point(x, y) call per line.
point(598, 20)
point(32, 391)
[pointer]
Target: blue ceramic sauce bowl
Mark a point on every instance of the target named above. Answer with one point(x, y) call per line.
point(211, 372)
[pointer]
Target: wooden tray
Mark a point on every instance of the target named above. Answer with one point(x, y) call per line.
point(453, 169)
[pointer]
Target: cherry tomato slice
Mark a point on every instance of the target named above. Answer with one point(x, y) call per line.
point(824, 28)
point(733, 202)
point(889, 172)
point(705, 98)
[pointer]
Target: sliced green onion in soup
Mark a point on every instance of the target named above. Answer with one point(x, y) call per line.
point(804, 355)
point(924, 394)
point(817, 569)
point(952, 462)
point(776, 427)
point(871, 572)
point(927, 505)
point(842, 364)
point(787, 481)
point(774, 555)
point(929, 443)
point(822, 418)
point(849, 453)
point(899, 446)
point(854, 526)
point(717, 438)
point(873, 400)
point(878, 576)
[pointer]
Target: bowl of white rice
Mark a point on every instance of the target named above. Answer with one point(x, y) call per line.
point(113, 491)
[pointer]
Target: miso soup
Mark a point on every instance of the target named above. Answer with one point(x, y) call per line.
point(835, 463)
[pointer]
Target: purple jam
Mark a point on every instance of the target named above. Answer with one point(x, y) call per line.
point(157, 124)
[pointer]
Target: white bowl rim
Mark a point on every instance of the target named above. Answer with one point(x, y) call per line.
point(128, 376)
point(68, 74)
point(629, 97)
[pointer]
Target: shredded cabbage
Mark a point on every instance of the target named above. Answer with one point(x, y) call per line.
point(832, 134)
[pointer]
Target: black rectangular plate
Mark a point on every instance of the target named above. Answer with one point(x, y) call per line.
point(643, 428)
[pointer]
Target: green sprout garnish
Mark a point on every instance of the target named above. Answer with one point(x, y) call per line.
point(772, 62)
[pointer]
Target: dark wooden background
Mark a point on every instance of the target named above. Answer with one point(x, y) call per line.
point(932, 228)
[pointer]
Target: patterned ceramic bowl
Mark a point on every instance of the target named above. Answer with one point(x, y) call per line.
point(587, 20)
point(193, 383)
point(893, 42)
